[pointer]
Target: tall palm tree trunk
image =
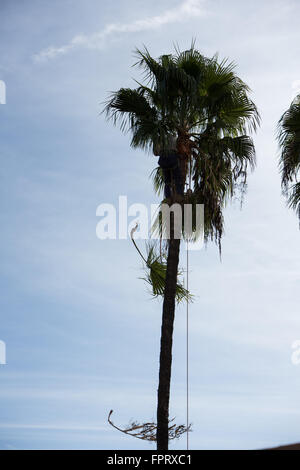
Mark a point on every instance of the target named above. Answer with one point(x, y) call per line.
point(165, 360)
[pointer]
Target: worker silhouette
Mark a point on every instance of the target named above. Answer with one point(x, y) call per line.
point(169, 161)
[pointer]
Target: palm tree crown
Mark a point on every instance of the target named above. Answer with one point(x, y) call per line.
point(206, 107)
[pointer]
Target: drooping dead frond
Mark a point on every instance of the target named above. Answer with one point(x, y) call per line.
point(147, 431)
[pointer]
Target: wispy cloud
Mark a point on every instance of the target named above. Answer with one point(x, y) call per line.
point(53, 427)
point(184, 11)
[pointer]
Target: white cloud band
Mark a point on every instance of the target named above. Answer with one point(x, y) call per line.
point(187, 9)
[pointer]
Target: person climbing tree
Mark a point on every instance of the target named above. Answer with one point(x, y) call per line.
point(170, 163)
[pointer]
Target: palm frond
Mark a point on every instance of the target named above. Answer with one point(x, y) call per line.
point(289, 141)
point(155, 265)
point(156, 270)
point(158, 180)
point(128, 106)
point(294, 198)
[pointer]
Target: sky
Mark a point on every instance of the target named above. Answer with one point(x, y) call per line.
point(81, 330)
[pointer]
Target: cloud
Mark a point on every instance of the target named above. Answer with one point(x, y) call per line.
point(54, 427)
point(187, 9)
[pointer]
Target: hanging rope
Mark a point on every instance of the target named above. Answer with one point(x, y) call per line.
point(187, 319)
point(187, 349)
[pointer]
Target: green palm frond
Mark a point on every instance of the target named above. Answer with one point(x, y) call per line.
point(156, 270)
point(155, 265)
point(158, 180)
point(164, 74)
point(130, 104)
point(240, 150)
point(289, 140)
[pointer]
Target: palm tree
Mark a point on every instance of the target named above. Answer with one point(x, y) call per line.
point(289, 140)
point(206, 106)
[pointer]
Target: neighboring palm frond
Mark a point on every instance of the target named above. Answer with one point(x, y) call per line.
point(289, 141)
point(294, 198)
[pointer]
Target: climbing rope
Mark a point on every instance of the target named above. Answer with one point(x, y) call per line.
point(187, 348)
point(187, 319)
